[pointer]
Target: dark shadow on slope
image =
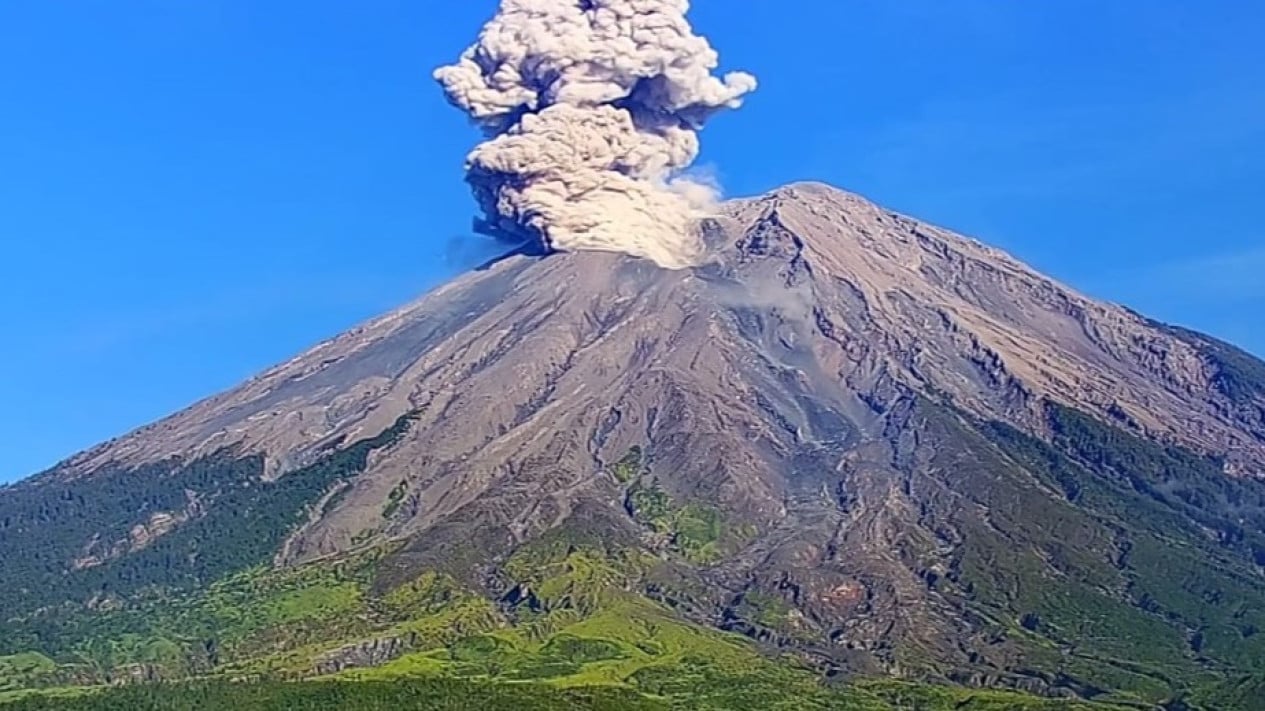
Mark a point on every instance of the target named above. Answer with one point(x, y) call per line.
point(526, 249)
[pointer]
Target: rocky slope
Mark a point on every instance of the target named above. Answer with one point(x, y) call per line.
point(850, 434)
point(873, 292)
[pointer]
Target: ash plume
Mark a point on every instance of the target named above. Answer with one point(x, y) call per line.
point(591, 110)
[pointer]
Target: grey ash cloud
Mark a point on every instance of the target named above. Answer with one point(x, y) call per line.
point(591, 110)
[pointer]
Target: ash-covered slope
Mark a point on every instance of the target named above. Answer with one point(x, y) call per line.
point(871, 291)
point(947, 314)
point(849, 433)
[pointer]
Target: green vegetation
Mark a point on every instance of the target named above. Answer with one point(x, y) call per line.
point(1239, 375)
point(47, 523)
point(565, 582)
point(1246, 692)
point(695, 531)
point(1186, 484)
point(1207, 585)
point(652, 506)
point(766, 610)
point(923, 697)
point(394, 498)
point(1154, 605)
point(174, 634)
point(1140, 586)
point(24, 671)
point(584, 640)
point(705, 693)
point(433, 694)
point(629, 467)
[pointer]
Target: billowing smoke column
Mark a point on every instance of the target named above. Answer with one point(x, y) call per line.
point(591, 109)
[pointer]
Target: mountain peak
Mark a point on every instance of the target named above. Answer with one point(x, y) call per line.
point(823, 210)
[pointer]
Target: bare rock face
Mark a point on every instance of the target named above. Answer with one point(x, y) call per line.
point(824, 395)
point(140, 536)
point(369, 653)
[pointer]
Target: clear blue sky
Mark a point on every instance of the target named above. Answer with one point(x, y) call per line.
point(192, 191)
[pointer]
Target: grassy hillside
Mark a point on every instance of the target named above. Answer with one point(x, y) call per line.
point(441, 694)
point(582, 642)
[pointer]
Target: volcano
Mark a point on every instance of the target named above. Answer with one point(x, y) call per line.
point(862, 446)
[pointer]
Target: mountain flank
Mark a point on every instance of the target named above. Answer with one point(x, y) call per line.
point(848, 447)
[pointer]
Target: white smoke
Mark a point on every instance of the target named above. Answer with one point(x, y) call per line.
point(592, 108)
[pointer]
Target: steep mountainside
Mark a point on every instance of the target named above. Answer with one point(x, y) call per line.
point(870, 445)
point(927, 307)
